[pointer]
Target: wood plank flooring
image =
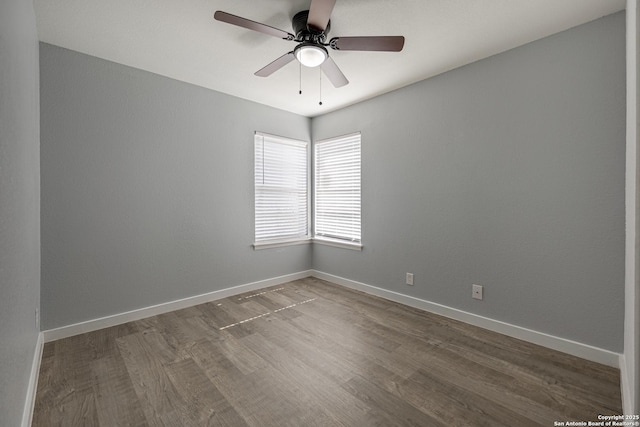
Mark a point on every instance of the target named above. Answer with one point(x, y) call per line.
point(311, 353)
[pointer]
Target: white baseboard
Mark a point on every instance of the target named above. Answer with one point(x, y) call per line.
point(141, 313)
point(625, 388)
point(574, 348)
point(30, 401)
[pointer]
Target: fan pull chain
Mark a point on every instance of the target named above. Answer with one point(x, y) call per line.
point(300, 79)
point(320, 71)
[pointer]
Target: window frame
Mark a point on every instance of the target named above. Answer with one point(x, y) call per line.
point(344, 242)
point(290, 239)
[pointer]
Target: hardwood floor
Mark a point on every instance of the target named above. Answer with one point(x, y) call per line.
point(310, 353)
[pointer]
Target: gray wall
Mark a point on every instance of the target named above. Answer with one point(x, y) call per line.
point(19, 204)
point(508, 173)
point(147, 189)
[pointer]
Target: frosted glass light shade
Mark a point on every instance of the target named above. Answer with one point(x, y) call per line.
point(310, 55)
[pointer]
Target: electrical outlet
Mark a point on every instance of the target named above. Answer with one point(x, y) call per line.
point(409, 279)
point(476, 291)
point(37, 318)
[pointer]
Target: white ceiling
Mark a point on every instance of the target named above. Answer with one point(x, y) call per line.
point(181, 40)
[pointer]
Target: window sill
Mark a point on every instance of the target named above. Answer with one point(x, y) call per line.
point(338, 243)
point(279, 243)
point(319, 240)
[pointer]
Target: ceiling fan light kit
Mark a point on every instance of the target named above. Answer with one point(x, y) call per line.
point(311, 28)
point(310, 54)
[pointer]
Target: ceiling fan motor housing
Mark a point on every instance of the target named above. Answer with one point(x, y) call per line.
point(306, 32)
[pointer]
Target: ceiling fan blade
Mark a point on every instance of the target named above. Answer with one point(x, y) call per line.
point(252, 25)
point(275, 65)
point(319, 14)
point(378, 43)
point(333, 73)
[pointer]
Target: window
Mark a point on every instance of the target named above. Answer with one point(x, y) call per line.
point(337, 189)
point(281, 189)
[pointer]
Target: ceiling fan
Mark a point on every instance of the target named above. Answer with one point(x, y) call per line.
point(311, 28)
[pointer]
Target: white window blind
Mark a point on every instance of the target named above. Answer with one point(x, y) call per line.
point(337, 188)
point(281, 188)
